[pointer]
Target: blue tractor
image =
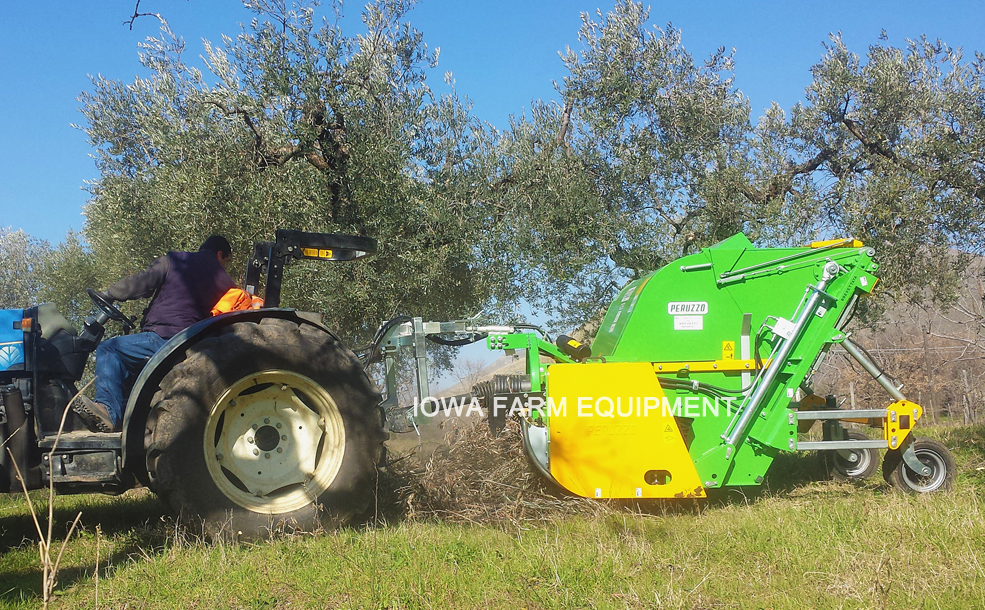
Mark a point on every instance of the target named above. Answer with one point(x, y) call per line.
point(245, 422)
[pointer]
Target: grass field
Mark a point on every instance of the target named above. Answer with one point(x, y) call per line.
point(798, 543)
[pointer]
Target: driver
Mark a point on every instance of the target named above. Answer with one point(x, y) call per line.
point(183, 287)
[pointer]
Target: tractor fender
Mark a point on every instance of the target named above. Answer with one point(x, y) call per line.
point(138, 406)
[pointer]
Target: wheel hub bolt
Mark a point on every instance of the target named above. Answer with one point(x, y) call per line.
point(283, 437)
point(278, 425)
point(218, 456)
point(280, 450)
point(232, 403)
point(256, 452)
point(266, 455)
point(266, 420)
point(283, 388)
point(249, 439)
point(255, 426)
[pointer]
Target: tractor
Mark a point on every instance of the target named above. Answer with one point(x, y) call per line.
point(698, 377)
point(247, 421)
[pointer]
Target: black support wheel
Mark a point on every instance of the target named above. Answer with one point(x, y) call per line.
point(858, 464)
point(931, 453)
point(265, 427)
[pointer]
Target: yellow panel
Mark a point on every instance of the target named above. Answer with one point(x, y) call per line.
point(844, 243)
point(594, 455)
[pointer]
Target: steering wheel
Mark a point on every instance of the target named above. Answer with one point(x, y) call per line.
point(112, 311)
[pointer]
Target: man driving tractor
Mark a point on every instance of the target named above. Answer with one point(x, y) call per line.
point(184, 287)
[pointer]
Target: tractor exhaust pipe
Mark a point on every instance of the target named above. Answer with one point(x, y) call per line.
point(16, 437)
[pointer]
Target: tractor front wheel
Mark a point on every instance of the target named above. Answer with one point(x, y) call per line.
point(265, 427)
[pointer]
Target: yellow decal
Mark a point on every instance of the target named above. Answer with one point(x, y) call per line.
point(728, 350)
point(316, 253)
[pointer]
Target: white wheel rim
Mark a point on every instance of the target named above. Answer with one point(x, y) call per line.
point(274, 442)
point(931, 482)
point(853, 469)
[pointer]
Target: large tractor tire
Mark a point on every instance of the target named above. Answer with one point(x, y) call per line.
point(265, 427)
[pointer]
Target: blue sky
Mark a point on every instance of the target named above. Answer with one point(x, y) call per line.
point(503, 55)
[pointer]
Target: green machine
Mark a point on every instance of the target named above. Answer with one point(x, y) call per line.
point(699, 376)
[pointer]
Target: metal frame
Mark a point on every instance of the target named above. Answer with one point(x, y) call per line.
point(836, 416)
point(269, 257)
point(737, 429)
point(413, 334)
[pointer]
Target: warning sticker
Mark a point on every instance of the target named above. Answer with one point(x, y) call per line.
point(728, 350)
point(688, 322)
point(316, 253)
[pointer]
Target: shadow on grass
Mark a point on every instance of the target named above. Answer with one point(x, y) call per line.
point(130, 525)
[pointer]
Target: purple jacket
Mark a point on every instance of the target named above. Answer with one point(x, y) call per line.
point(185, 286)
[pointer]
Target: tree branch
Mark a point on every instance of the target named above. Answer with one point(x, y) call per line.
point(874, 147)
point(562, 136)
point(263, 155)
point(782, 183)
point(137, 13)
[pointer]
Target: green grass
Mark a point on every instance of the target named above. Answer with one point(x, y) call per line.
point(800, 543)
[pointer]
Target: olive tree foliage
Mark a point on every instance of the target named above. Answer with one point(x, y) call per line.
point(67, 270)
point(32, 271)
point(295, 124)
point(652, 155)
point(889, 148)
point(649, 155)
point(21, 257)
point(623, 175)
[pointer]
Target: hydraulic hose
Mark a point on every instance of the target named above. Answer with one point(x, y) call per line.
point(373, 349)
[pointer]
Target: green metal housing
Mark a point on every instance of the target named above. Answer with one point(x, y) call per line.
point(687, 310)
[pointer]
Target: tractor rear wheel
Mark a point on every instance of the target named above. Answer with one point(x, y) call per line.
point(265, 427)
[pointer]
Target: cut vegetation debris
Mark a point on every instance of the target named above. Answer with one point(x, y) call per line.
point(478, 478)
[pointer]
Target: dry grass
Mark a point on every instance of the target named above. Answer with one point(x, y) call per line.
point(472, 527)
point(477, 478)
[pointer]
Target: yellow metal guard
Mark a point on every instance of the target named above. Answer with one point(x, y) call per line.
point(900, 417)
point(614, 438)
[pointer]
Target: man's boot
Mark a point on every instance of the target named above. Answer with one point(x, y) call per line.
point(94, 414)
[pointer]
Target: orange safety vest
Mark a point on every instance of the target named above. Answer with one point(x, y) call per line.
point(236, 299)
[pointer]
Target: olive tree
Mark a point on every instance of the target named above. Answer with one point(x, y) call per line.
point(652, 154)
point(295, 124)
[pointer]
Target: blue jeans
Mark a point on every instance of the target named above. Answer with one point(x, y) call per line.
point(118, 361)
